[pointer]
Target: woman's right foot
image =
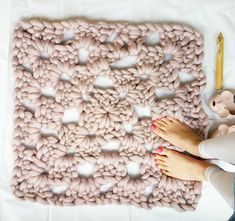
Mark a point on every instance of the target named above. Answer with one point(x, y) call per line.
point(177, 165)
point(177, 133)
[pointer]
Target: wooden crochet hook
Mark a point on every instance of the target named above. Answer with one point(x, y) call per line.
point(223, 102)
point(219, 62)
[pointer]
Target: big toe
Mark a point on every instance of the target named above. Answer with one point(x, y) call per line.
point(158, 129)
point(164, 151)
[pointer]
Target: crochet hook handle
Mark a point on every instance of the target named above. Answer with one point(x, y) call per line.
point(219, 62)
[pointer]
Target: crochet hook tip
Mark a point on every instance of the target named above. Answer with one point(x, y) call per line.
point(220, 38)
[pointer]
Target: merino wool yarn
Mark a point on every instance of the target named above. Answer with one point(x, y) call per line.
point(105, 155)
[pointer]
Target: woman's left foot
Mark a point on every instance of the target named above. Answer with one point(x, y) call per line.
point(177, 133)
point(177, 165)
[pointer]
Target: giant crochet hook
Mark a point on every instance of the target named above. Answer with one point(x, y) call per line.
point(223, 103)
point(219, 62)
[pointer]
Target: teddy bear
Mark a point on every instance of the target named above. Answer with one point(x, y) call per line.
point(222, 130)
point(223, 104)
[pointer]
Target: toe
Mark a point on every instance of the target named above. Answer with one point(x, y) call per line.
point(161, 127)
point(162, 123)
point(162, 167)
point(171, 119)
point(153, 126)
point(166, 172)
point(163, 151)
point(160, 162)
point(159, 131)
point(155, 121)
point(157, 124)
point(167, 121)
point(161, 157)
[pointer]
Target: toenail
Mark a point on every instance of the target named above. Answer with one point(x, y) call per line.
point(153, 127)
point(159, 149)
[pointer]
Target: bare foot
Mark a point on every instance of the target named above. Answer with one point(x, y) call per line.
point(177, 165)
point(177, 133)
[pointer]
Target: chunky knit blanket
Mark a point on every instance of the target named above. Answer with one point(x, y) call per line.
point(85, 95)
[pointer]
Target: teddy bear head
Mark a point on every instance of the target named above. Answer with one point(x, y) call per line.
point(218, 106)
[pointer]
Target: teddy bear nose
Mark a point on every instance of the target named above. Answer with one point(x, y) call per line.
point(213, 103)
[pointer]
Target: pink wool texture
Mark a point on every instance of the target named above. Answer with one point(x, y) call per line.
point(47, 165)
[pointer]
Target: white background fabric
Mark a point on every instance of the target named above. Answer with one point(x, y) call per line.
point(208, 16)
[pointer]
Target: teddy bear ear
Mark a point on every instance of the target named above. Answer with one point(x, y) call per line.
point(226, 95)
point(224, 113)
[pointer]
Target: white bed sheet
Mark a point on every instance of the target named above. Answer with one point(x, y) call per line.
point(208, 16)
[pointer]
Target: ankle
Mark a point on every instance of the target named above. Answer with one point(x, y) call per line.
point(202, 166)
point(195, 146)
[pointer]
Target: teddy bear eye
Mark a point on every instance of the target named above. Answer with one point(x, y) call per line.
point(213, 103)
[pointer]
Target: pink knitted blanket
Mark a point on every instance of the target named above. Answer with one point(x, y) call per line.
point(85, 94)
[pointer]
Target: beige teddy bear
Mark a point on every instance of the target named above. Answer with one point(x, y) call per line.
point(223, 104)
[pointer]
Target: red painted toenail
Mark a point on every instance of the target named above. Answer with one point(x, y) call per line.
point(153, 127)
point(159, 149)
